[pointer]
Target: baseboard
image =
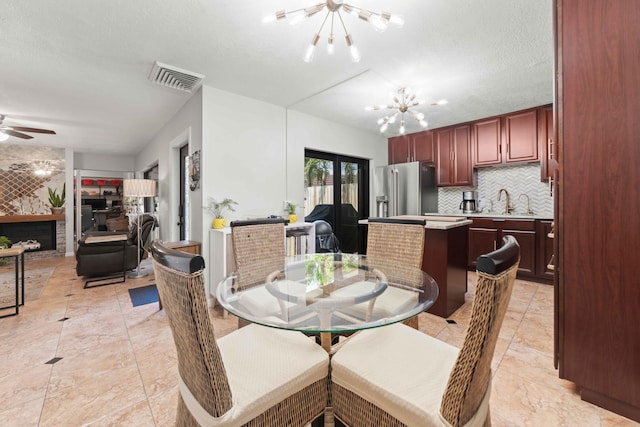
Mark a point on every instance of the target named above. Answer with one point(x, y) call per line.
point(610, 404)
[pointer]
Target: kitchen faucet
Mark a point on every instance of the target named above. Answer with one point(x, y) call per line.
point(529, 211)
point(507, 208)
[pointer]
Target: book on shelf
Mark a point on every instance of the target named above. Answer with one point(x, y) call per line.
point(296, 242)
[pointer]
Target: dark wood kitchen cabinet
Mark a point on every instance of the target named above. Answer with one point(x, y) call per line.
point(424, 147)
point(398, 147)
point(597, 256)
point(510, 138)
point(487, 142)
point(415, 147)
point(544, 250)
point(453, 153)
point(521, 136)
point(485, 235)
point(546, 143)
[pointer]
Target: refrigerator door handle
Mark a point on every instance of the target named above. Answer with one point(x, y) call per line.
point(396, 191)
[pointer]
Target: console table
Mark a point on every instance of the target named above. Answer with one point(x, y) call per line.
point(19, 300)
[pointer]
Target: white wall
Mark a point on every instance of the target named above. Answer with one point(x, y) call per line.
point(184, 127)
point(243, 154)
point(102, 162)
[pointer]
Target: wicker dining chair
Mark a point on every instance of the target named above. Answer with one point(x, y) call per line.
point(254, 376)
point(396, 242)
point(397, 376)
point(259, 250)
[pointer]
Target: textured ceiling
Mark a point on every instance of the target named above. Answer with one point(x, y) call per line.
point(80, 67)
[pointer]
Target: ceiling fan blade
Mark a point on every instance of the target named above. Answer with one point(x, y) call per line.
point(36, 130)
point(16, 134)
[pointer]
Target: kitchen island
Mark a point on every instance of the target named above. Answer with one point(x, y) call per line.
point(445, 259)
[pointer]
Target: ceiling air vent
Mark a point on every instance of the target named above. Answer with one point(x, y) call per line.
point(174, 77)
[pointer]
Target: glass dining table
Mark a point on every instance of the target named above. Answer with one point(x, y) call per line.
point(328, 294)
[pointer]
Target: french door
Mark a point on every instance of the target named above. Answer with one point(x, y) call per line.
point(337, 191)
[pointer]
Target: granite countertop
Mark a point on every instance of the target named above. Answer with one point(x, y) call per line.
point(491, 215)
point(443, 224)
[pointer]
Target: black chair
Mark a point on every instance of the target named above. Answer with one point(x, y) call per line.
point(109, 258)
point(86, 218)
point(326, 241)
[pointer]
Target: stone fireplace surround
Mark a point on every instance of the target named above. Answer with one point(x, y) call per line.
point(49, 230)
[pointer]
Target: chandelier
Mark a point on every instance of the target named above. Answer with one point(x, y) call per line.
point(402, 104)
point(379, 20)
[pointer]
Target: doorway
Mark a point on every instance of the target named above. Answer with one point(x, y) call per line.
point(182, 206)
point(337, 191)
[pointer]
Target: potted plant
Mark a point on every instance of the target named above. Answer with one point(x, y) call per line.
point(217, 209)
point(4, 244)
point(57, 200)
point(291, 208)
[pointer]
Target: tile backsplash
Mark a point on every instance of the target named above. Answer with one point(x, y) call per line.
point(517, 180)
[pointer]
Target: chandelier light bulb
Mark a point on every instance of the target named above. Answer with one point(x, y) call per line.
point(379, 23)
point(353, 50)
point(330, 45)
point(396, 20)
point(369, 108)
point(308, 56)
point(442, 102)
point(423, 123)
point(402, 127)
point(384, 127)
point(380, 120)
point(392, 119)
point(281, 14)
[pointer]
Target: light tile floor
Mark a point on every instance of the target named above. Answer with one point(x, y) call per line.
point(118, 362)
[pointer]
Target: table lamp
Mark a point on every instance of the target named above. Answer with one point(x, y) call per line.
point(138, 188)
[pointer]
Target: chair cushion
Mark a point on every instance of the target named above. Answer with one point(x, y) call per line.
point(397, 368)
point(265, 366)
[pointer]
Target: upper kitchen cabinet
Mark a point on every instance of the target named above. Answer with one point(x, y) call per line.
point(424, 147)
point(399, 149)
point(487, 145)
point(453, 155)
point(416, 147)
point(511, 138)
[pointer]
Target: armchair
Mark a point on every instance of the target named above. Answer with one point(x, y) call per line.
point(112, 257)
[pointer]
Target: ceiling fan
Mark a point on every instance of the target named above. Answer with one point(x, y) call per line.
point(17, 131)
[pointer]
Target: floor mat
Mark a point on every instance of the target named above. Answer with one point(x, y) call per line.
point(143, 295)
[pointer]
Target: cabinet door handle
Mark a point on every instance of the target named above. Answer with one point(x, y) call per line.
point(550, 186)
point(549, 148)
point(495, 245)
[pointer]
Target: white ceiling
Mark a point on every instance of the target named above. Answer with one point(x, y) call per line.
point(80, 67)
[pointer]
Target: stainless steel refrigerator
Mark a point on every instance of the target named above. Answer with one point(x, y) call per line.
point(406, 189)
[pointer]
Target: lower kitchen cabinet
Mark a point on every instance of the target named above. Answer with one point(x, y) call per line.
point(485, 235)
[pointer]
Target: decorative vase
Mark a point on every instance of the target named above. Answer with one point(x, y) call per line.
point(219, 223)
point(293, 218)
point(56, 211)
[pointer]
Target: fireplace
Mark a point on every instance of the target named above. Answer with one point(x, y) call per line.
point(31, 234)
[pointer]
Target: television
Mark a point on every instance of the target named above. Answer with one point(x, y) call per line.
point(96, 204)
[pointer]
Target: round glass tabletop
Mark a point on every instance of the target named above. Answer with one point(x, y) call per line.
point(327, 293)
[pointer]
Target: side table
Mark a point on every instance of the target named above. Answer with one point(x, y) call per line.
point(188, 246)
point(15, 253)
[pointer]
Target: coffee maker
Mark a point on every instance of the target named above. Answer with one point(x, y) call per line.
point(469, 202)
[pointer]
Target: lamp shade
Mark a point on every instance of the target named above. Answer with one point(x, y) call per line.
point(139, 188)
